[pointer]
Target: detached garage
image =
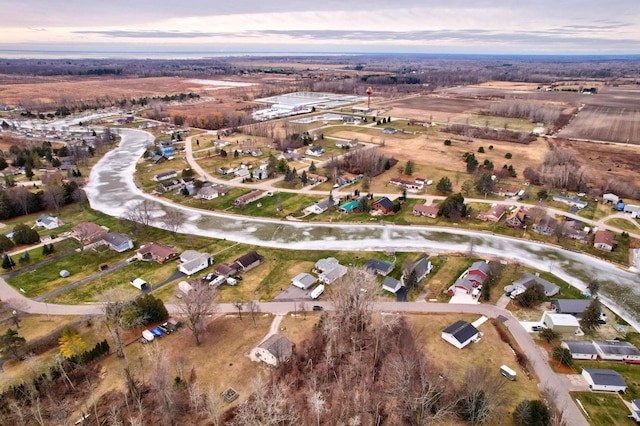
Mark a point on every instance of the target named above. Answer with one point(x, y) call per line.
point(604, 380)
point(561, 323)
point(303, 280)
point(460, 334)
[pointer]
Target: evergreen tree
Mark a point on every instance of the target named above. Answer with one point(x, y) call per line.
point(7, 262)
point(444, 185)
point(590, 320)
point(5, 243)
point(312, 167)
point(11, 343)
point(408, 168)
point(303, 177)
point(533, 295)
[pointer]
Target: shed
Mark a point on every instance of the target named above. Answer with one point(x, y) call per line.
point(604, 380)
point(391, 284)
point(460, 334)
point(580, 349)
point(303, 280)
point(560, 323)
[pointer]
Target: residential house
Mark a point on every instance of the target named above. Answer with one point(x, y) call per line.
point(604, 380)
point(560, 323)
point(430, 210)
point(473, 277)
point(226, 170)
point(580, 349)
point(349, 207)
point(321, 206)
point(573, 307)
point(574, 230)
point(156, 252)
point(506, 192)
point(391, 285)
point(207, 193)
point(290, 156)
point(165, 176)
point(247, 198)
point(617, 350)
point(314, 179)
point(413, 185)
point(88, 232)
point(603, 240)
point(248, 261)
point(572, 201)
point(546, 226)
point(527, 279)
point(331, 275)
point(192, 261)
point(516, 219)
point(168, 185)
point(382, 205)
point(325, 264)
point(242, 172)
point(633, 210)
point(494, 214)
point(226, 269)
point(254, 152)
point(347, 144)
point(303, 280)
point(118, 242)
point(421, 268)
point(259, 174)
point(274, 351)
point(222, 189)
point(158, 158)
point(315, 151)
point(348, 178)
point(47, 222)
point(611, 199)
point(460, 334)
point(379, 267)
point(10, 171)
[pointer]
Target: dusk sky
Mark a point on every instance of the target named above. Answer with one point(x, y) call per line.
point(411, 26)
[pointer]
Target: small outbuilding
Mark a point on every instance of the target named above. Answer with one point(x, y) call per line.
point(391, 285)
point(604, 380)
point(303, 280)
point(560, 323)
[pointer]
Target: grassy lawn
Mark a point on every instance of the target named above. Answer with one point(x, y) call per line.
point(623, 224)
point(278, 206)
point(604, 408)
point(495, 121)
point(490, 352)
point(36, 326)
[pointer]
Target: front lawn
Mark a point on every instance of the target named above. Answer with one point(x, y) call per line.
point(604, 409)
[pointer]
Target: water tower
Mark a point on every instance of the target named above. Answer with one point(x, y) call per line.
point(369, 92)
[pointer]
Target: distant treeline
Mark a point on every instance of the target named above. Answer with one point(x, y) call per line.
point(489, 133)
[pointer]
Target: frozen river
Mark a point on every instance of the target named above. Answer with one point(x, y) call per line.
point(111, 190)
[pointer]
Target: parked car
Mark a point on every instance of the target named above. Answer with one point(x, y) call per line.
point(165, 329)
point(537, 328)
point(317, 308)
point(156, 331)
point(237, 277)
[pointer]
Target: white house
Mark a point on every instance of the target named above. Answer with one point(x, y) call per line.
point(617, 350)
point(275, 350)
point(315, 151)
point(460, 334)
point(332, 275)
point(580, 349)
point(192, 261)
point(320, 206)
point(604, 380)
point(303, 280)
point(560, 323)
point(207, 193)
point(635, 410)
point(47, 222)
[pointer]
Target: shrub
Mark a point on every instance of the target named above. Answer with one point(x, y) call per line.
point(447, 142)
point(508, 155)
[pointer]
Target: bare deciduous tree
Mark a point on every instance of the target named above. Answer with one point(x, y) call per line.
point(19, 198)
point(239, 305)
point(53, 197)
point(173, 220)
point(140, 214)
point(116, 318)
point(198, 305)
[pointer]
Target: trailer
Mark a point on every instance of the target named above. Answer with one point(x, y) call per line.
point(317, 292)
point(507, 372)
point(139, 283)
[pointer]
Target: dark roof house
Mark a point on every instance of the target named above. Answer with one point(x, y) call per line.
point(380, 267)
point(573, 307)
point(460, 334)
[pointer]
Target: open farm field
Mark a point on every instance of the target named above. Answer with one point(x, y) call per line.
point(435, 108)
point(57, 89)
point(604, 123)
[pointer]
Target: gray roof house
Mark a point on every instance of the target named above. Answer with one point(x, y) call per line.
point(460, 334)
point(118, 242)
point(303, 280)
point(604, 380)
point(546, 226)
point(321, 206)
point(275, 350)
point(616, 350)
point(192, 261)
point(635, 410)
point(325, 264)
point(380, 267)
point(580, 349)
point(528, 279)
point(331, 275)
point(573, 307)
point(421, 267)
point(47, 222)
